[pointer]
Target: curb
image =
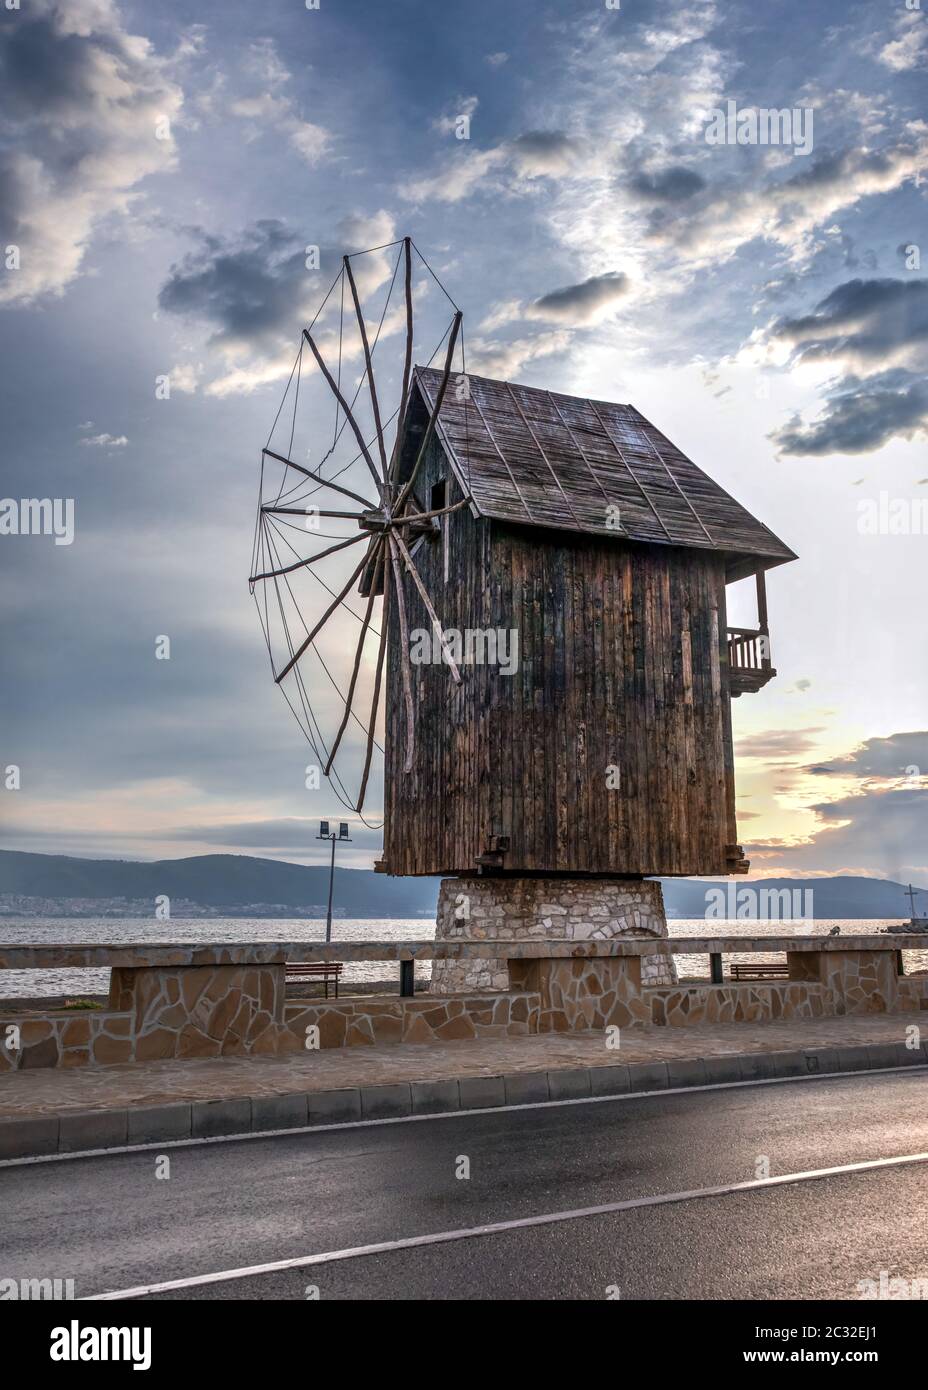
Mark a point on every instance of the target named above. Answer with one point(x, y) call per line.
point(72, 1132)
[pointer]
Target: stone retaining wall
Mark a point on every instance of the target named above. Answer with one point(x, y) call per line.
point(216, 1022)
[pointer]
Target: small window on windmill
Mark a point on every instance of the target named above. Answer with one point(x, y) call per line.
point(437, 500)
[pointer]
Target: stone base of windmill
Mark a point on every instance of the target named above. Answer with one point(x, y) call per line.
point(544, 909)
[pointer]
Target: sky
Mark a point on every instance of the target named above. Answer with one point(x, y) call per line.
point(163, 172)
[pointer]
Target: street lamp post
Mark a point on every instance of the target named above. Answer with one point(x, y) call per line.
point(326, 834)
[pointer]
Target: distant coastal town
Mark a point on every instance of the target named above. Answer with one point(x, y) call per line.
point(21, 906)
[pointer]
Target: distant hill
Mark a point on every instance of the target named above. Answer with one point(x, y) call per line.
point(217, 881)
point(237, 881)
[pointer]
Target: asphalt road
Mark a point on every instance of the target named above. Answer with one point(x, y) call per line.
point(111, 1223)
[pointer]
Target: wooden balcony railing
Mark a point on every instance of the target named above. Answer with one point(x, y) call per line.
point(749, 665)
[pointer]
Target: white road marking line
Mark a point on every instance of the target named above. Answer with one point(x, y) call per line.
point(497, 1227)
point(918, 1069)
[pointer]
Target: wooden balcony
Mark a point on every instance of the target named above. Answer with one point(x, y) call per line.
point(749, 667)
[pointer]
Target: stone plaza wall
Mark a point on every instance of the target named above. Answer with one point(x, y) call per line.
point(546, 909)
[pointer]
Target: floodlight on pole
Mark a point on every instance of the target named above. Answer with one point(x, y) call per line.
point(325, 833)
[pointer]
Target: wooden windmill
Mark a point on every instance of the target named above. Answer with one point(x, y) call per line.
point(575, 534)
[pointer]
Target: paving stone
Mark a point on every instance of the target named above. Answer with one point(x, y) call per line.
point(570, 1084)
point(212, 1117)
point(647, 1076)
point(27, 1138)
point(385, 1102)
point(279, 1112)
point(150, 1124)
point(526, 1088)
point(94, 1129)
point(481, 1092)
point(690, 1072)
point(434, 1097)
point(609, 1081)
point(334, 1107)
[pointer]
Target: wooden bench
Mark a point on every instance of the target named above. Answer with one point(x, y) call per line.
point(760, 970)
point(326, 971)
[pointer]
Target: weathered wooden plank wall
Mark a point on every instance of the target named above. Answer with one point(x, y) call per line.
point(620, 665)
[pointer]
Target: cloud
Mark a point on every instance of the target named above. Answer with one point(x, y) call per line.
point(859, 416)
point(778, 743)
point(511, 166)
point(882, 757)
point(246, 290)
point(496, 60)
point(255, 294)
point(862, 322)
point(271, 110)
point(280, 835)
point(85, 102)
point(713, 223)
point(185, 377)
point(878, 830)
point(105, 441)
point(875, 823)
point(506, 360)
point(906, 52)
point(673, 184)
point(540, 153)
point(447, 123)
point(587, 302)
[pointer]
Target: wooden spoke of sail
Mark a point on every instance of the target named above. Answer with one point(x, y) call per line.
point(427, 516)
point(310, 559)
point(346, 409)
point(378, 677)
point(321, 623)
point(309, 511)
point(423, 594)
point(407, 364)
point(375, 404)
point(430, 427)
point(405, 664)
point(371, 558)
point(318, 478)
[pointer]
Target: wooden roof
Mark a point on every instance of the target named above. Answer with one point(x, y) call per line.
point(539, 458)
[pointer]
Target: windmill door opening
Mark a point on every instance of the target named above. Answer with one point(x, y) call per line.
point(437, 500)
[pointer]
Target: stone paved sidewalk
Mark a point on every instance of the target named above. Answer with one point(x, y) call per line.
point(52, 1091)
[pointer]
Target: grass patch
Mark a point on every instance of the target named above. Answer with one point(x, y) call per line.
point(82, 1004)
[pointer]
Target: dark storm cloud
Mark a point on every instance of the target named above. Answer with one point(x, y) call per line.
point(866, 318)
point(865, 323)
point(41, 69)
point(580, 303)
point(673, 184)
point(246, 290)
point(544, 151)
point(860, 415)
